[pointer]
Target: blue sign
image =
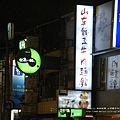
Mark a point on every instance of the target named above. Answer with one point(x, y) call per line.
point(9, 105)
point(18, 79)
point(17, 72)
point(118, 26)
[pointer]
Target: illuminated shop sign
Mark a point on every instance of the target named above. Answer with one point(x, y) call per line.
point(10, 31)
point(83, 59)
point(113, 72)
point(116, 25)
point(18, 80)
point(28, 60)
point(22, 44)
point(75, 99)
point(63, 113)
point(103, 26)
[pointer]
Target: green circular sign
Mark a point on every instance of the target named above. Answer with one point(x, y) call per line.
point(28, 60)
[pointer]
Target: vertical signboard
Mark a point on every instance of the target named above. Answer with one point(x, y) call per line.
point(103, 26)
point(10, 30)
point(116, 25)
point(18, 79)
point(83, 59)
point(113, 72)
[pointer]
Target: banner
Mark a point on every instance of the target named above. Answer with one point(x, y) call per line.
point(18, 79)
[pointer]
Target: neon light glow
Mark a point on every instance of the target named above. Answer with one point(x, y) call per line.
point(116, 25)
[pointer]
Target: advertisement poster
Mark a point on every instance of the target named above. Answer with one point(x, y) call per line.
point(113, 73)
point(103, 26)
point(83, 57)
point(18, 79)
point(75, 99)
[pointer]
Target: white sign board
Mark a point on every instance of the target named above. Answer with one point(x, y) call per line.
point(83, 57)
point(103, 26)
point(113, 72)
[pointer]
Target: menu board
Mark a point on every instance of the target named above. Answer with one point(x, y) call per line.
point(75, 99)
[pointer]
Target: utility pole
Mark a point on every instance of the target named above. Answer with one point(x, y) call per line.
point(9, 39)
point(7, 81)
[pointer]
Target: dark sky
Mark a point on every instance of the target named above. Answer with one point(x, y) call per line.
point(26, 14)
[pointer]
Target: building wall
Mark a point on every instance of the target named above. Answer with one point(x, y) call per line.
point(110, 98)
